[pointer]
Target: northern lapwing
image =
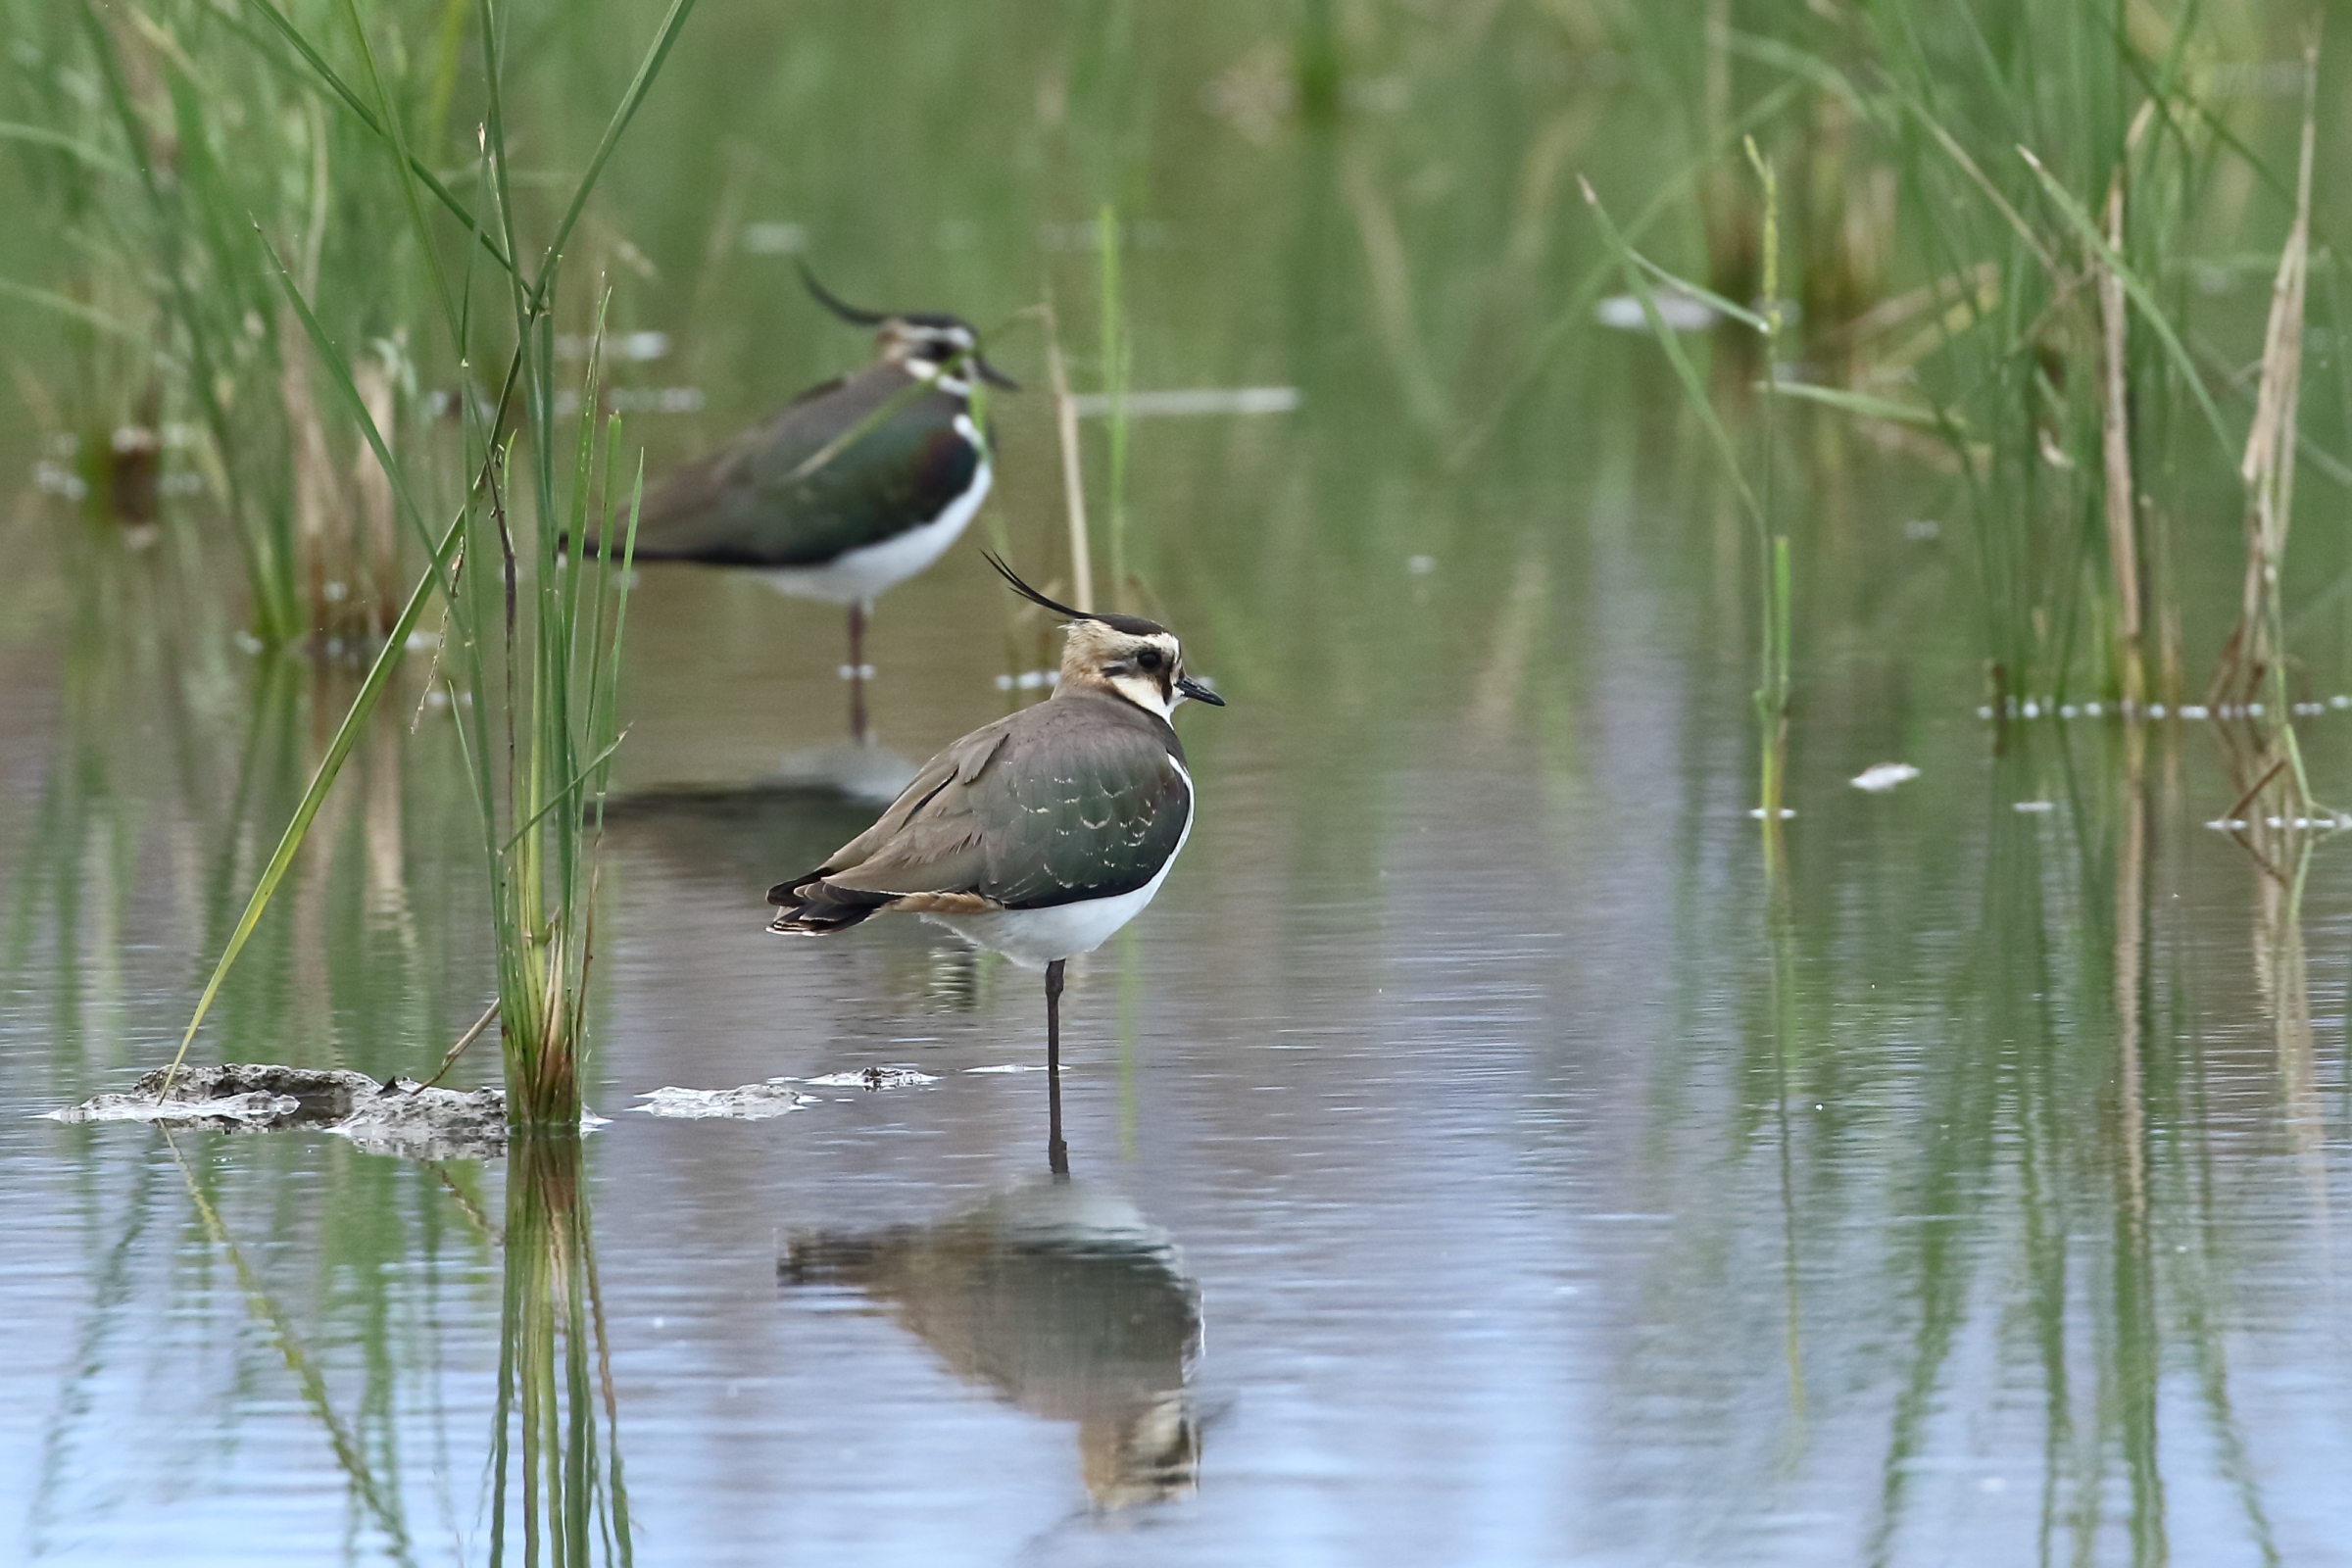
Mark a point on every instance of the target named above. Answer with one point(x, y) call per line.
point(1042, 834)
point(850, 488)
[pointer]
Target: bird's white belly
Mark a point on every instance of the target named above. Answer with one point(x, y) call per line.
point(860, 575)
point(1034, 938)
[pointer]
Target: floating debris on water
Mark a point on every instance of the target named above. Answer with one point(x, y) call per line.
point(750, 1102)
point(637, 346)
point(254, 1109)
point(398, 1116)
point(54, 478)
point(2307, 825)
point(875, 1078)
point(2034, 806)
point(413, 1122)
point(1880, 777)
point(2052, 707)
point(1190, 401)
point(1757, 812)
point(1008, 1066)
point(775, 239)
point(1677, 310)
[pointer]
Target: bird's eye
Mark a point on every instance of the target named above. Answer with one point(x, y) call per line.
point(1149, 659)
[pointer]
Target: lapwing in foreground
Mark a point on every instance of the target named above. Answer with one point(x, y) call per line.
point(853, 487)
point(1042, 834)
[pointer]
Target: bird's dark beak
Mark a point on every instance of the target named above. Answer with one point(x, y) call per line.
point(1198, 692)
point(994, 376)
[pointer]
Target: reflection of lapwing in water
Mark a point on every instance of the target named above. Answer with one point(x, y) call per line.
point(1061, 1296)
point(853, 487)
point(1040, 835)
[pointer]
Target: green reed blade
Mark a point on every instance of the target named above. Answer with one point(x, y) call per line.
point(42, 136)
point(404, 164)
point(2087, 229)
point(1576, 313)
point(338, 374)
point(1704, 295)
point(1686, 372)
point(347, 734)
point(639, 87)
point(81, 313)
point(566, 793)
point(1864, 404)
point(351, 100)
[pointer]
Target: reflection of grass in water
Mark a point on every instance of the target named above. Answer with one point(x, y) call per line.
point(1999, 1243)
point(554, 1374)
point(376, 1494)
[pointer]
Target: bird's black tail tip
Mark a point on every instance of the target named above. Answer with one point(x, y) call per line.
point(808, 910)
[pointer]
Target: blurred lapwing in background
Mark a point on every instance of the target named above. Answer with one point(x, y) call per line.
point(1040, 835)
point(850, 489)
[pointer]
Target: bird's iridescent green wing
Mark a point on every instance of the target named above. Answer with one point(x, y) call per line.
point(1066, 801)
point(1085, 810)
point(843, 467)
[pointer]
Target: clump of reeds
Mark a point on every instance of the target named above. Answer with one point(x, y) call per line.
point(162, 137)
point(2053, 168)
point(529, 639)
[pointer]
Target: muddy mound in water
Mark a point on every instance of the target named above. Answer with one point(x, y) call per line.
point(395, 1117)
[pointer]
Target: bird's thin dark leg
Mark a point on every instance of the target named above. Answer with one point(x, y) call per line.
point(858, 671)
point(1057, 1153)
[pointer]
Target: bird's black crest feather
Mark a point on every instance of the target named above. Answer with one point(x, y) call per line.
point(834, 303)
point(1133, 625)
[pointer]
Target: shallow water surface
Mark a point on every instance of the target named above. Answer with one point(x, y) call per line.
point(1478, 1156)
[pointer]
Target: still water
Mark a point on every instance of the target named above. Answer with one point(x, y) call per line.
point(1477, 1158)
point(1483, 1152)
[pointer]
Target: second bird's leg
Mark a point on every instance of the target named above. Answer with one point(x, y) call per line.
point(857, 671)
point(1057, 1153)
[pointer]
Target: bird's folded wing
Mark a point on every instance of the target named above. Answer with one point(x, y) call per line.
point(832, 473)
point(929, 840)
point(826, 486)
point(1030, 815)
point(1088, 812)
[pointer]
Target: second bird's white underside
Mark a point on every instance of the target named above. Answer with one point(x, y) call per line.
point(860, 575)
point(1034, 938)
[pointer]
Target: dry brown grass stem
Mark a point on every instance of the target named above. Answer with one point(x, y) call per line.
point(1073, 474)
point(2115, 445)
point(1976, 287)
point(2269, 465)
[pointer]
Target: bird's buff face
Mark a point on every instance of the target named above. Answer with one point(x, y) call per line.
point(1145, 667)
point(924, 343)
